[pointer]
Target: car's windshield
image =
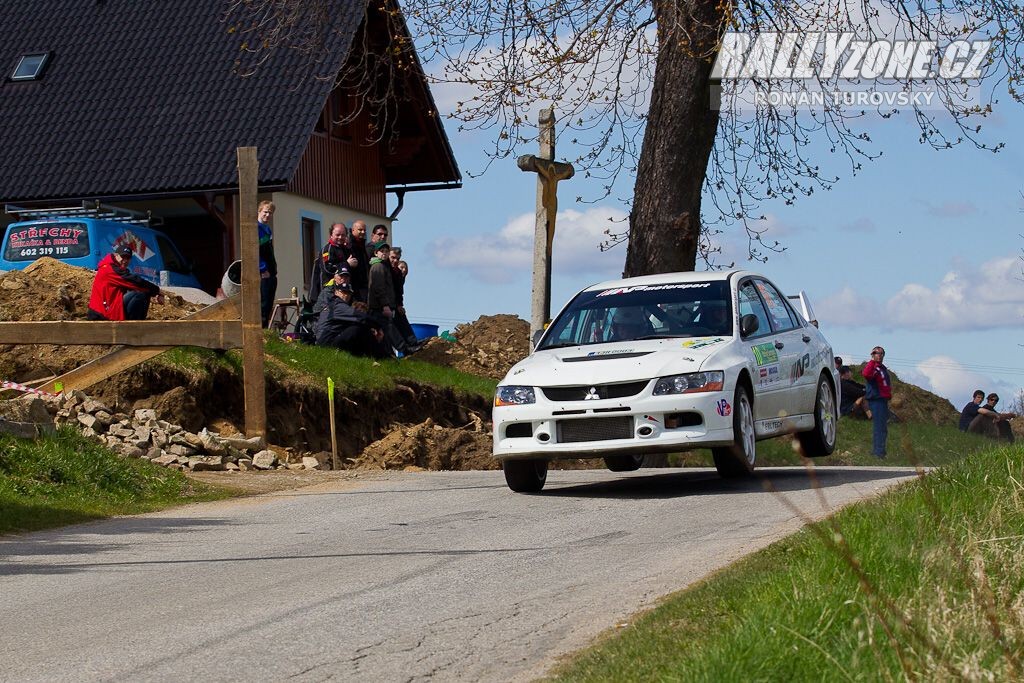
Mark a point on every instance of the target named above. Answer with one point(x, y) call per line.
point(677, 309)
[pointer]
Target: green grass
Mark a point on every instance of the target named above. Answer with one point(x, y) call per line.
point(363, 373)
point(65, 478)
point(942, 573)
point(909, 444)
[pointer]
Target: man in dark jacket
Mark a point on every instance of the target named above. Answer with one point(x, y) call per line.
point(970, 410)
point(343, 327)
point(118, 293)
point(852, 402)
point(381, 297)
point(360, 271)
point(402, 325)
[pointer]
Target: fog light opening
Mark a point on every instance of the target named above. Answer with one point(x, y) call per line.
point(646, 430)
point(543, 437)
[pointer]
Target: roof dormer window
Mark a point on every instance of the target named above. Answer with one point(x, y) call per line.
point(30, 67)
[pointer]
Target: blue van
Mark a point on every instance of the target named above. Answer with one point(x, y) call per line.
point(83, 240)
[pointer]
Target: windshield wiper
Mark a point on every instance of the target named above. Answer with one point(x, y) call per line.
point(656, 336)
point(557, 346)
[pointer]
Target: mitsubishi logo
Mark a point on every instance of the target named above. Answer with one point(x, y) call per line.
point(592, 395)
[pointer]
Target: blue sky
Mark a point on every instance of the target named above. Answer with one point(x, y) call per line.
point(919, 252)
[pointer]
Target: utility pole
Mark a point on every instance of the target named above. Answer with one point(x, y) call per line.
point(549, 173)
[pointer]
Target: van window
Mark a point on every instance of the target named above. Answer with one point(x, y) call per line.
point(172, 259)
point(59, 240)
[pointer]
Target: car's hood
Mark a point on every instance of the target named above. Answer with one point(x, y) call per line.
point(613, 362)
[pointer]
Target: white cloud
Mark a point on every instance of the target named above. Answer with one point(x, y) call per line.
point(970, 298)
point(984, 298)
point(847, 308)
point(501, 257)
point(951, 209)
point(948, 378)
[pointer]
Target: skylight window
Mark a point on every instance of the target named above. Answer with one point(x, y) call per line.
point(30, 67)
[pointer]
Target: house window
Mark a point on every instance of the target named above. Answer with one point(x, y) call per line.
point(310, 249)
point(30, 67)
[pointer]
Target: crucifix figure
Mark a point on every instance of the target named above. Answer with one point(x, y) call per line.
point(549, 173)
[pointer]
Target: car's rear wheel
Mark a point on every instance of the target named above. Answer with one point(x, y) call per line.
point(623, 463)
point(737, 460)
point(525, 476)
point(821, 440)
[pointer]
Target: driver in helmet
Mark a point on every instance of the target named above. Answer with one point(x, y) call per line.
point(629, 323)
point(715, 317)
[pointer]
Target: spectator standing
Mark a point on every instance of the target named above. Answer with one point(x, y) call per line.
point(402, 325)
point(268, 263)
point(361, 270)
point(852, 402)
point(970, 410)
point(379, 234)
point(119, 294)
point(878, 394)
point(335, 254)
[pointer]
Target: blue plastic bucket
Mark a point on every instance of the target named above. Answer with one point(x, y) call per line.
point(424, 331)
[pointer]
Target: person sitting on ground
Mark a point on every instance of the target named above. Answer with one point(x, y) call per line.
point(342, 326)
point(970, 410)
point(838, 360)
point(341, 276)
point(990, 422)
point(117, 292)
point(852, 393)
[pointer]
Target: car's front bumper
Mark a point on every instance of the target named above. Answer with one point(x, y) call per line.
point(638, 424)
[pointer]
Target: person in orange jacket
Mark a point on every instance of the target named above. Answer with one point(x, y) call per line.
point(118, 293)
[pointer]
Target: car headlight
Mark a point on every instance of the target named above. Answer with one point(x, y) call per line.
point(514, 396)
point(690, 383)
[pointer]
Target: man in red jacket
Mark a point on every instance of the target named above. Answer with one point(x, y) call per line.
point(118, 293)
point(878, 392)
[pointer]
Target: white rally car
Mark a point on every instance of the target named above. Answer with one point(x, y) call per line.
point(667, 363)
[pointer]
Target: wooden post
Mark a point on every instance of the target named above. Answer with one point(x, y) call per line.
point(252, 327)
point(540, 301)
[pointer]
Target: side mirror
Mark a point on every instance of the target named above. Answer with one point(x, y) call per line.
point(749, 324)
point(536, 338)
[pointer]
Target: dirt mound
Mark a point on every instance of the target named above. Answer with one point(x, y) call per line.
point(911, 403)
point(430, 446)
point(52, 290)
point(487, 347)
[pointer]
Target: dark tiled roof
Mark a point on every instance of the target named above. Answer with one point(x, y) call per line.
point(143, 96)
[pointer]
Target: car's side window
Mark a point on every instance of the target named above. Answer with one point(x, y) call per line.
point(750, 304)
point(778, 311)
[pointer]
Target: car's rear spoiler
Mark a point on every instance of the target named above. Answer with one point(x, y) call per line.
point(803, 305)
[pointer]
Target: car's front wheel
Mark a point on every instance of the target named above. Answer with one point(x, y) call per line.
point(821, 440)
point(623, 463)
point(737, 460)
point(525, 476)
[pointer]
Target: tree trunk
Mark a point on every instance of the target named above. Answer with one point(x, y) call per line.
point(665, 223)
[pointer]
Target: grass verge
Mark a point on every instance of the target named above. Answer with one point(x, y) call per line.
point(924, 583)
point(909, 445)
point(304, 363)
point(65, 479)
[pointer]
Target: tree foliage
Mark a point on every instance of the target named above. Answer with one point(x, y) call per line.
point(599, 62)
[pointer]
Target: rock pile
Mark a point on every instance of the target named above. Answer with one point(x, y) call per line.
point(142, 435)
point(488, 347)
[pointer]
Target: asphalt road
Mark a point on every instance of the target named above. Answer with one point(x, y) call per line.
point(397, 577)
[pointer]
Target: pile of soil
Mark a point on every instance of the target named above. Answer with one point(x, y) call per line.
point(429, 446)
point(911, 403)
point(52, 290)
point(488, 347)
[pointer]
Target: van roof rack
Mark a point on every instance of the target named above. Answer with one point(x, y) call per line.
point(96, 210)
